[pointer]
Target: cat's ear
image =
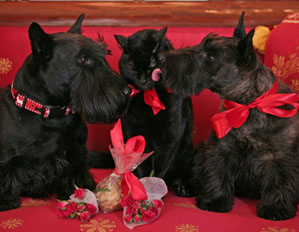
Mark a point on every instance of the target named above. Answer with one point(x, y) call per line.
point(158, 37)
point(121, 40)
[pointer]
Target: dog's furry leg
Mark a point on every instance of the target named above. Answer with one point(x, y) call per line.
point(213, 177)
point(83, 178)
point(8, 202)
point(9, 191)
point(80, 177)
point(278, 193)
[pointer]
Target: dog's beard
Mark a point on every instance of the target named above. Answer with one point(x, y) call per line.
point(103, 110)
point(104, 104)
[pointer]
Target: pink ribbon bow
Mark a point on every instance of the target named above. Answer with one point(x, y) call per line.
point(236, 114)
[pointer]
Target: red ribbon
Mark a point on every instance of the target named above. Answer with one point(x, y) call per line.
point(131, 154)
point(236, 114)
point(151, 98)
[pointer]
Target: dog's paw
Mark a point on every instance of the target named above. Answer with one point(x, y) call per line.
point(184, 191)
point(85, 181)
point(215, 205)
point(275, 213)
point(91, 185)
point(9, 204)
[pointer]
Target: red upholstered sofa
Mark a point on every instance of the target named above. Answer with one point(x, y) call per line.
point(178, 214)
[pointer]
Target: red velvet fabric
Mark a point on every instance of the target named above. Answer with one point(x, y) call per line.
point(178, 214)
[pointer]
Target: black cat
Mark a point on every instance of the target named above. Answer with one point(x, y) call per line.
point(168, 130)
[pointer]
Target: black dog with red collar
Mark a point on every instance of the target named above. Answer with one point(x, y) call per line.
point(63, 84)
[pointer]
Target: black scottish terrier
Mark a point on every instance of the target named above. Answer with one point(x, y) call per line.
point(259, 158)
point(64, 81)
point(167, 132)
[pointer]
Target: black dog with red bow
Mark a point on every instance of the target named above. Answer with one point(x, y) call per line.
point(255, 151)
point(64, 81)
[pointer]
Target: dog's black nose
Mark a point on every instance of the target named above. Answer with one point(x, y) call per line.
point(126, 91)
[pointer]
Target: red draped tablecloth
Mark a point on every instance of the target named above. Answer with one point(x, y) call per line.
point(178, 215)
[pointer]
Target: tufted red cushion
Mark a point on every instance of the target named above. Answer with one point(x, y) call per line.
point(282, 51)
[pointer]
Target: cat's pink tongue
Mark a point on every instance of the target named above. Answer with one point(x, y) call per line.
point(156, 74)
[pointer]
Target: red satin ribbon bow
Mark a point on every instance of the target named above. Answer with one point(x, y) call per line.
point(129, 155)
point(236, 114)
point(151, 98)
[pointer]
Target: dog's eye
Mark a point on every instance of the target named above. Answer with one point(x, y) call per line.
point(131, 64)
point(84, 60)
point(210, 57)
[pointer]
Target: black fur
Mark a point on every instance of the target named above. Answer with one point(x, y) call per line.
point(41, 156)
point(168, 133)
point(261, 158)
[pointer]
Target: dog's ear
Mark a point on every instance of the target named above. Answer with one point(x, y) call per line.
point(239, 31)
point(158, 37)
point(121, 40)
point(247, 56)
point(76, 28)
point(41, 43)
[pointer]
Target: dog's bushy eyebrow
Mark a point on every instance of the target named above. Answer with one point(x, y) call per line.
point(101, 41)
point(80, 41)
point(209, 36)
point(214, 40)
point(100, 38)
point(211, 40)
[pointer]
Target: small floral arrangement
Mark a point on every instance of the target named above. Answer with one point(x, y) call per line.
point(137, 211)
point(82, 205)
point(141, 212)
